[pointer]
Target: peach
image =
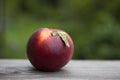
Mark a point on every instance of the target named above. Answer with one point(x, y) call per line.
point(49, 49)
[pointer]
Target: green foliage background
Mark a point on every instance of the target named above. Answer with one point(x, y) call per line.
point(94, 25)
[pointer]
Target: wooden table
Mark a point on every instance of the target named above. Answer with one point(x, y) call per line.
point(74, 70)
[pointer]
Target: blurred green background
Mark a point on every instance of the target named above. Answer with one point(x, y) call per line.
point(94, 26)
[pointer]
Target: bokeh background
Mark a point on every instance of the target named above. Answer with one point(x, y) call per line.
point(94, 25)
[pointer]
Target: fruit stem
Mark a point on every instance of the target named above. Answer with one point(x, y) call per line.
point(54, 33)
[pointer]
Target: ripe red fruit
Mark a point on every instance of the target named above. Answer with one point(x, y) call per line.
point(49, 49)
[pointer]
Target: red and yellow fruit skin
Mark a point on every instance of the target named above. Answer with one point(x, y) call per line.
point(47, 52)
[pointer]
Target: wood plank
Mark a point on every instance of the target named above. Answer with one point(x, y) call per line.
point(74, 70)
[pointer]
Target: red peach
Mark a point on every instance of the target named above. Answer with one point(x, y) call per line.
point(49, 49)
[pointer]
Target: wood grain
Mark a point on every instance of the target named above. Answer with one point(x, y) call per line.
point(74, 70)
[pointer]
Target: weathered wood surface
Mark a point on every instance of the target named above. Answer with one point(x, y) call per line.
point(74, 70)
